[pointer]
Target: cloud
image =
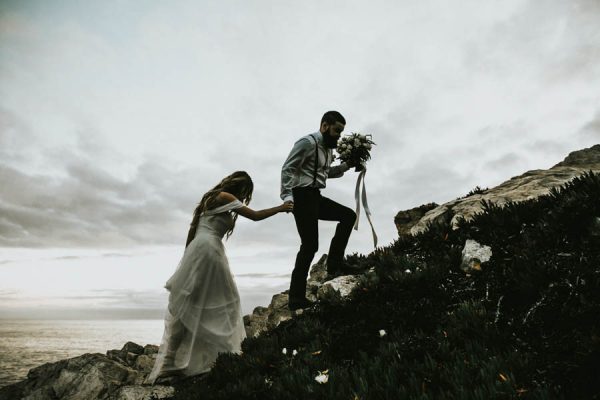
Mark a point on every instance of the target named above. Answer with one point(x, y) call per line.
point(79, 203)
point(87, 207)
point(84, 205)
point(433, 178)
point(505, 159)
point(8, 294)
point(14, 133)
point(560, 46)
point(592, 128)
point(68, 258)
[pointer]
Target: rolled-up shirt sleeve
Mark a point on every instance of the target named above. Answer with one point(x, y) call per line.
point(338, 170)
point(291, 165)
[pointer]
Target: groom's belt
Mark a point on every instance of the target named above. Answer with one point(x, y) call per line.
point(312, 188)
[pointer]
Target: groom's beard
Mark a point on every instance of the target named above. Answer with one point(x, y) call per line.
point(329, 141)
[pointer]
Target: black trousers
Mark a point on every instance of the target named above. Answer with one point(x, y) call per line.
point(309, 208)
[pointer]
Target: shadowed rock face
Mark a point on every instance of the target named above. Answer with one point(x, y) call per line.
point(529, 185)
point(117, 375)
point(264, 319)
point(405, 220)
point(318, 288)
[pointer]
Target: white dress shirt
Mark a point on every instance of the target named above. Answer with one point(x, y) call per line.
point(298, 169)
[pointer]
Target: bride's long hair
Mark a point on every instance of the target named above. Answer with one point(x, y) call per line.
point(238, 184)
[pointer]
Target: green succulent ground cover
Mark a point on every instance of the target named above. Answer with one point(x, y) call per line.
point(526, 326)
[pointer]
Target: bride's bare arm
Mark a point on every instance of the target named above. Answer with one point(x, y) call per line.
point(255, 215)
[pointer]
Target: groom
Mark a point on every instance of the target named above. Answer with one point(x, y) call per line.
point(303, 174)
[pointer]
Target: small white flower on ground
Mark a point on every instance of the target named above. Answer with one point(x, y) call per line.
point(408, 271)
point(382, 333)
point(295, 352)
point(284, 351)
point(322, 377)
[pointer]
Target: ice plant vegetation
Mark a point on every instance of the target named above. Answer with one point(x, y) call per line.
point(524, 327)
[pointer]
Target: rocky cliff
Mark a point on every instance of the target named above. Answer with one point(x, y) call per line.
point(529, 185)
point(118, 375)
point(318, 288)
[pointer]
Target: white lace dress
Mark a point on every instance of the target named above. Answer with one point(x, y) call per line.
point(204, 316)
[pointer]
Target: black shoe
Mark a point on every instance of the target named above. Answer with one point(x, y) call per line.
point(299, 304)
point(333, 274)
point(343, 269)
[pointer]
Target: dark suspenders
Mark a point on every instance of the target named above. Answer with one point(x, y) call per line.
point(314, 183)
point(316, 161)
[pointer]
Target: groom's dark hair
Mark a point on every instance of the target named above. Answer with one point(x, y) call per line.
point(331, 117)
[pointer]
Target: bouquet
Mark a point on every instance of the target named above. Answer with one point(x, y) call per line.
point(355, 149)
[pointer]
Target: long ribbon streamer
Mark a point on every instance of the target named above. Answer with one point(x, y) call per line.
point(357, 196)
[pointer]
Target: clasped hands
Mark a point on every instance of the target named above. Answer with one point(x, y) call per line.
point(287, 206)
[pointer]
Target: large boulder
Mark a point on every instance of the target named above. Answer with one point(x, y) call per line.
point(264, 319)
point(529, 185)
point(338, 289)
point(406, 219)
point(318, 288)
point(117, 375)
point(474, 254)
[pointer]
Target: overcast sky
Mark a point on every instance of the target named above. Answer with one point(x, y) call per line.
point(116, 116)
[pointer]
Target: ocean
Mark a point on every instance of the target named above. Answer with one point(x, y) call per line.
point(25, 344)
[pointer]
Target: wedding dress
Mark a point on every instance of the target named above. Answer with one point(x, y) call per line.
point(204, 316)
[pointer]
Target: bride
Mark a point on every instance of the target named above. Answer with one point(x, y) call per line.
point(204, 316)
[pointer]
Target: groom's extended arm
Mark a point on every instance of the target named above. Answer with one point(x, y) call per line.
point(338, 170)
point(291, 165)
